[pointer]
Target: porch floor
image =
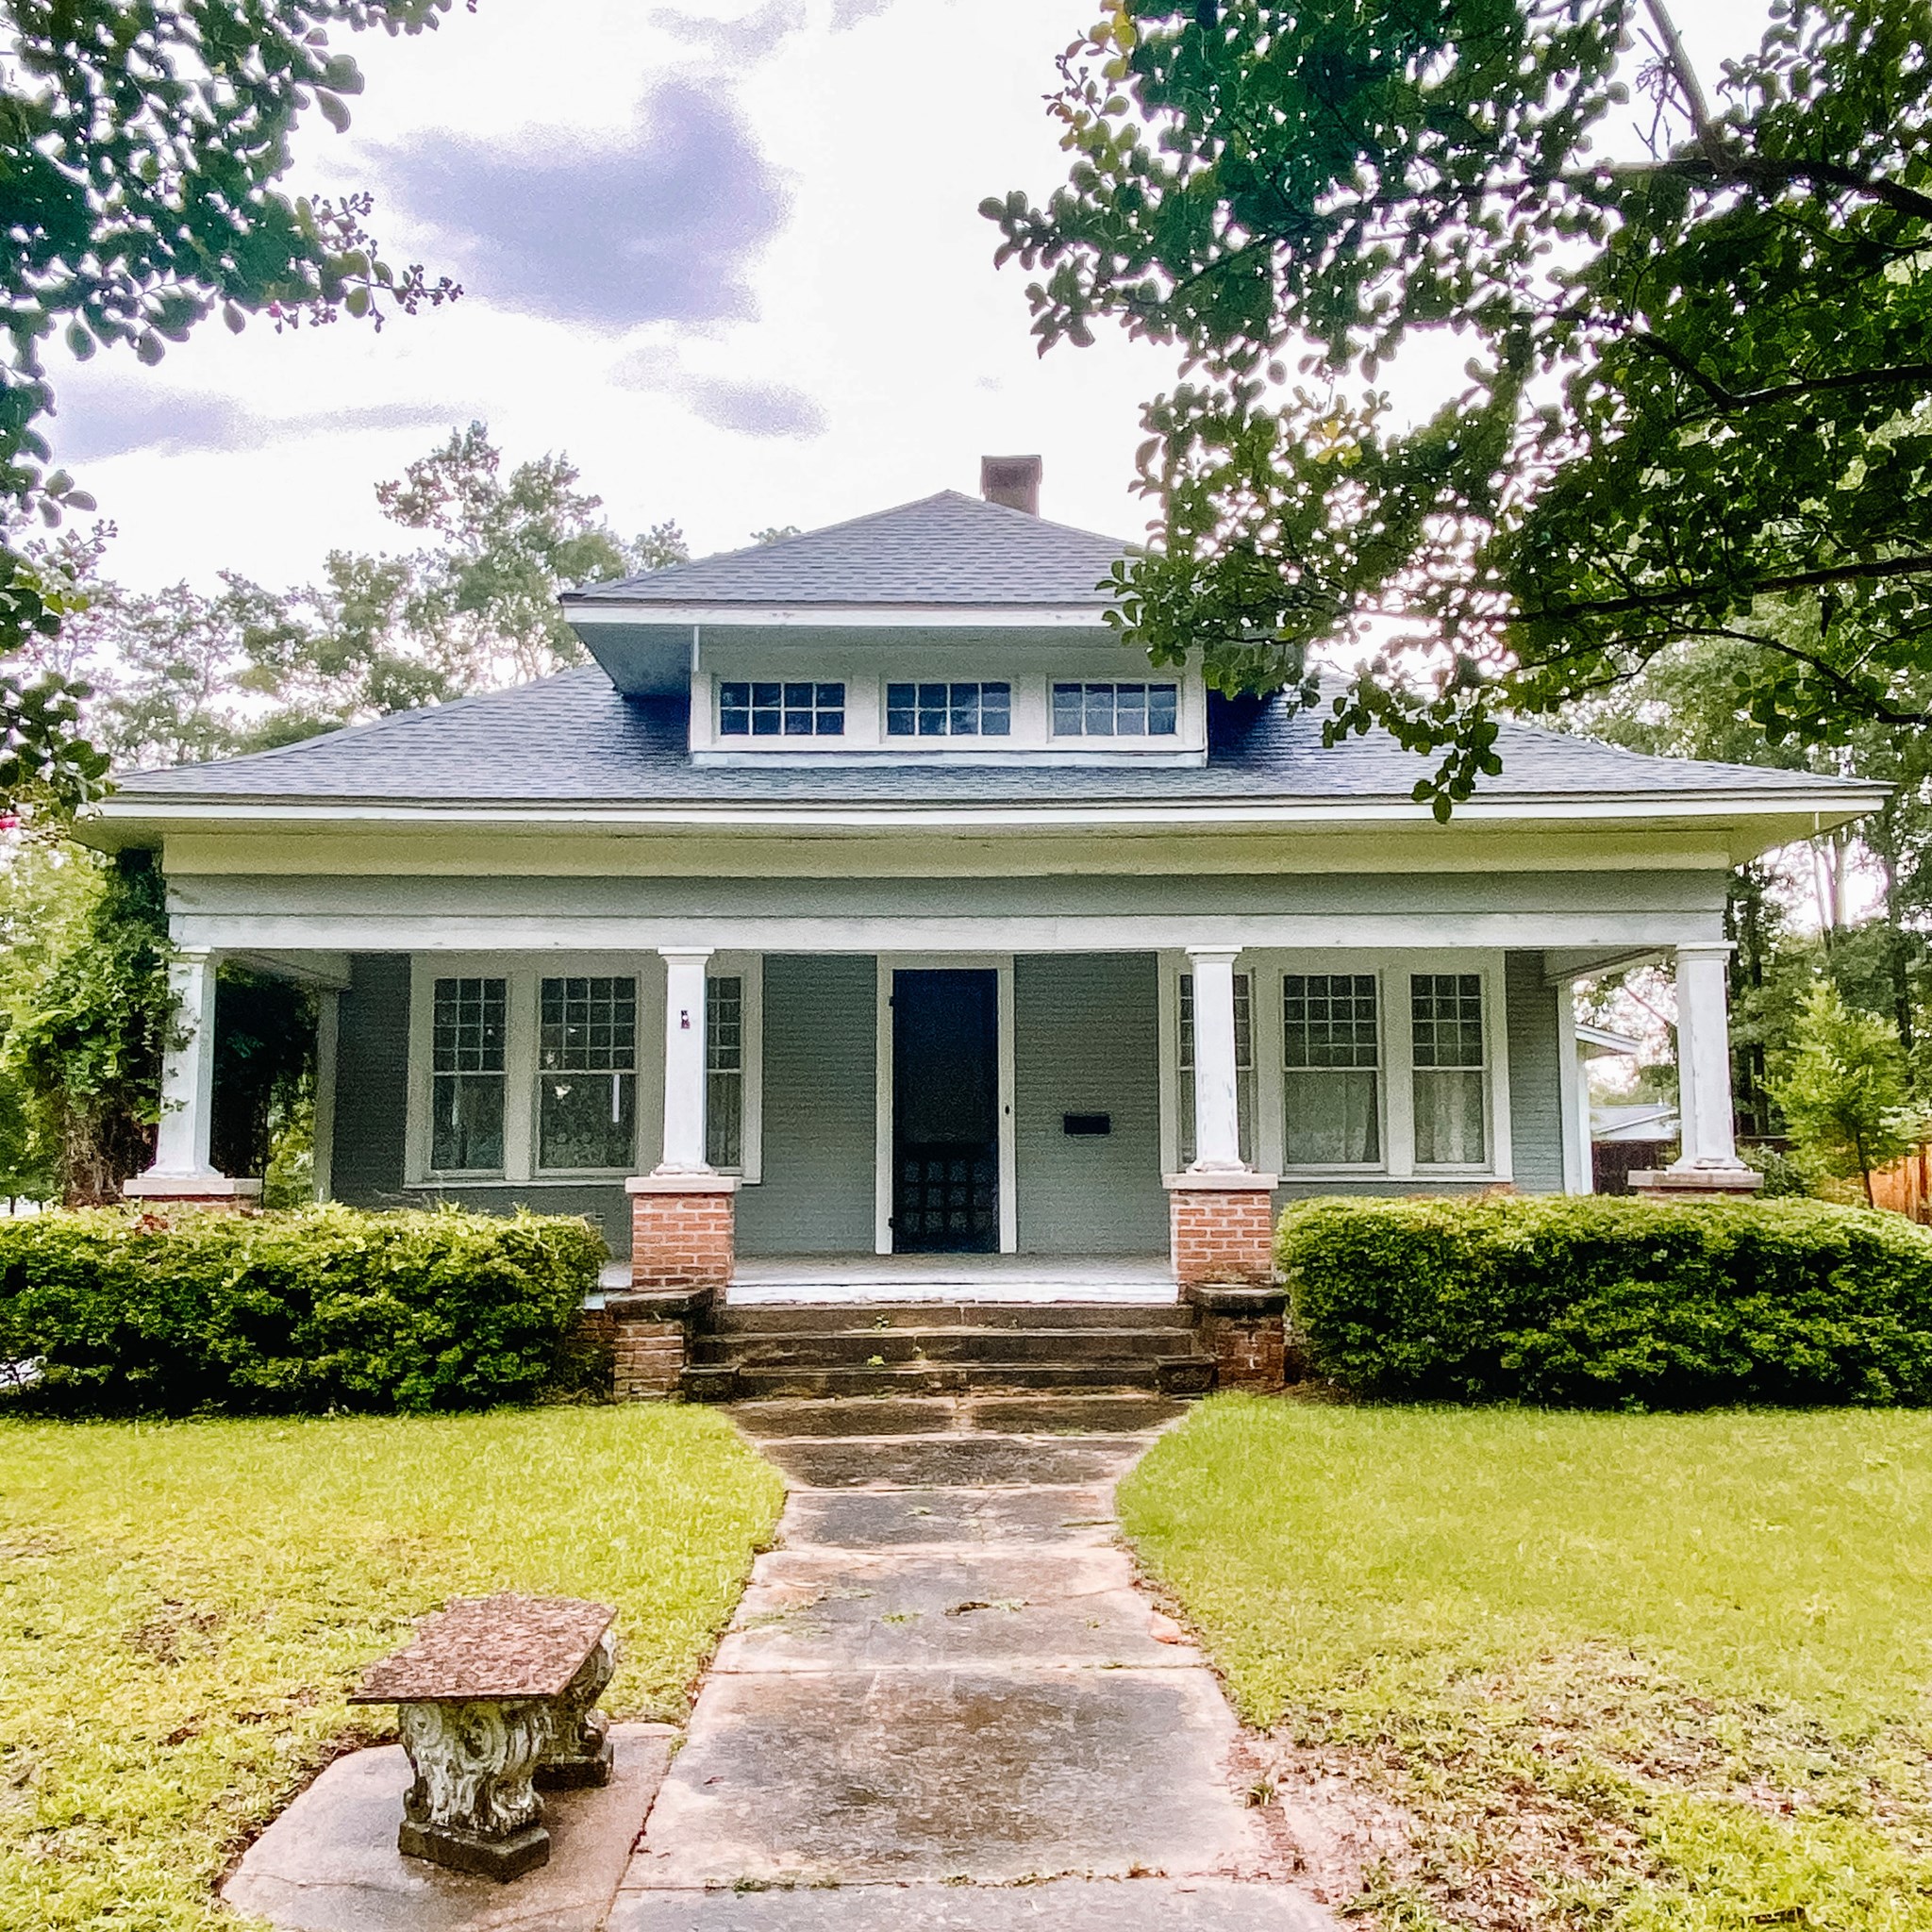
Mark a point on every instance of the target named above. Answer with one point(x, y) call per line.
point(768, 1279)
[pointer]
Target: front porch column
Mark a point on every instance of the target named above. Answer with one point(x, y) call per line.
point(1708, 1162)
point(1221, 1218)
point(182, 1170)
point(1217, 1105)
point(682, 1213)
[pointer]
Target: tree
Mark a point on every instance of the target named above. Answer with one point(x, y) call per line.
point(1698, 380)
point(140, 141)
point(1843, 1094)
point(84, 1009)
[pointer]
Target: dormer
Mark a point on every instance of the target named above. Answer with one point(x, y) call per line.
point(956, 629)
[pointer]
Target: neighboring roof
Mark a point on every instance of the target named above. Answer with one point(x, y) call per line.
point(573, 740)
point(1599, 1041)
point(1642, 1121)
point(949, 549)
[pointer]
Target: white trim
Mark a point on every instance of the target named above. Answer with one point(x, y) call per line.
point(916, 617)
point(1652, 809)
point(1570, 1081)
point(1001, 964)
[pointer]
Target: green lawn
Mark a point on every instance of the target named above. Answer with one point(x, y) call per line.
point(1644, 1671)
point(182, 1608)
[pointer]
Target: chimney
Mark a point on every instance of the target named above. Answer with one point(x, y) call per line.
point(1012, 480)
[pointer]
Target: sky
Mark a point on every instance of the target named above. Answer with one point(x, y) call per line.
point(727, 257)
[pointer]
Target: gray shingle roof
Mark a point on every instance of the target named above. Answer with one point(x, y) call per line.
point(944, 549)
point(572, 738)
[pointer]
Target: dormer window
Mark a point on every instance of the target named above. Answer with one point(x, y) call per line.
point(781, 710)
point(949, 710)
point(1116, 710)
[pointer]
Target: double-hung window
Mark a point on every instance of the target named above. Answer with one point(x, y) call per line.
point(1331, 1070)
point(725, 1071)
point(1451, 1070)
point(1116, 710)
point(468, 1035)
point(1243, 1063)
point(949, 710)
point(754, 709)
point(587, 1074)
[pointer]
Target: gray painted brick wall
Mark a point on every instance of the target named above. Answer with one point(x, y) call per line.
point(820, 1054)
point(1087, 1040)
point(1536, 1094)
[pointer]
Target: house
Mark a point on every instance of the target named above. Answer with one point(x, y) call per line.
point(864, 897)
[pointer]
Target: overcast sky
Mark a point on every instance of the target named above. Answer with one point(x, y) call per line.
point(727, 258)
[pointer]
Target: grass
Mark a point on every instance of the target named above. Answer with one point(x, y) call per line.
point(1641, 1672)
point(183, 1607)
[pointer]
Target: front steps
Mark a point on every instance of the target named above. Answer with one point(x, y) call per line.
point(937, 1348)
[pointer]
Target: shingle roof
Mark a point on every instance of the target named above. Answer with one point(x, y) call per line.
point(572, 738)
point(945, 549)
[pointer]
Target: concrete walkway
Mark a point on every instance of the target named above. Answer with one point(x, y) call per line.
point(942, 1703)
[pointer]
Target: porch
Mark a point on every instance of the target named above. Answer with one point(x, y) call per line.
point(985, 1280)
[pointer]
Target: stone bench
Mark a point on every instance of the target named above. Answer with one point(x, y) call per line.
point(494, 1700)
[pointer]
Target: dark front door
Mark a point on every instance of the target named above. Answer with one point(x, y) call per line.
point(945, 1112)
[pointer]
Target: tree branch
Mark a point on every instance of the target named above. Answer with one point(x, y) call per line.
point(1689, 85)
point(1730, 401)
point(1797, 580)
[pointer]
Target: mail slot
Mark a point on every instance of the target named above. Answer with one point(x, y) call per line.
point(1083, 1124)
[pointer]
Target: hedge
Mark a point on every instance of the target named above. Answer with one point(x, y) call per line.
point(1611, 1302)
point(322, 1308)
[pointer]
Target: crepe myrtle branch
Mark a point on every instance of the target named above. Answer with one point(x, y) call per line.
point(1875, 568)
point(1731, 402)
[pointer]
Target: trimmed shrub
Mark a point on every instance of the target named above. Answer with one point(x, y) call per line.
point(1606, 1303)
point(292, 1313)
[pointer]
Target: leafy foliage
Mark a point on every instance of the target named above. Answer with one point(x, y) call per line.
point(84, 1009)
point(292, 1313)
point(140, 141)
point(1844, 1095)
point(1605, 1302)
point(179, 675)
point(1697, 381)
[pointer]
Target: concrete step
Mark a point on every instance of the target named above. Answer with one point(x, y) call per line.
point(856, 1347)
point(798, 1318)
point(1175, 1375)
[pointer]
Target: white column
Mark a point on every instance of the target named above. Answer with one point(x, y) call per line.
point(684, 1060)
point(1217, 1109)
point(187, 1072)
point(1704, 1058)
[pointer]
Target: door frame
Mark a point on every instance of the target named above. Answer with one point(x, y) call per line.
point(1001, 965)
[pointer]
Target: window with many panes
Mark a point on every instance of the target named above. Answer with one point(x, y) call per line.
point(725, 1071)
point(949, 710)
point(1116, 710)
point(1451, 1085)
point(1243, 1063)
point(587, 1074)
point(747, 710)
point(467, 1047)
point(1331, 1070)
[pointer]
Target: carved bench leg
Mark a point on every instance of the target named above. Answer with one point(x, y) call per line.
point(472, 1807)
point(578, 1753)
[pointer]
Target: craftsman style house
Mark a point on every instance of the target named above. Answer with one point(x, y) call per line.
point(865, 897)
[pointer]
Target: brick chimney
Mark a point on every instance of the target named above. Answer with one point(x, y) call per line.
point(1012, 480)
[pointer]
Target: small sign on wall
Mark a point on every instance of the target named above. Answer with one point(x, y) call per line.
point(1084, 1126)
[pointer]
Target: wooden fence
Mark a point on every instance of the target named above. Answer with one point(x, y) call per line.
point(1905, 1186)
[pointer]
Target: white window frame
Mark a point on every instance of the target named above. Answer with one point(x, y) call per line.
point(1392, 969)
point(524, 974)
point(1342, 1170)
point(1158, 741)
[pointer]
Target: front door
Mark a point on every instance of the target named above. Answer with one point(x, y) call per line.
point(945, 1112)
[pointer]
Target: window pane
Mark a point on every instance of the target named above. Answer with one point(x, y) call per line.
point(468, 1025)
point(586, 1119)
point(932, 710)
point(1130, 710)
point(466, 1126)
point(902, 710)
point(1100, 710)
point(1329, 1020)
point(1069, 711)
point(725, 1071)
point(965, 711)
point(1448, 1018)
point(1333, 1118)
point(588, 1026)
point(996, 710)
point(734, 710)
point(1163, 709)
point(1449, 1126)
